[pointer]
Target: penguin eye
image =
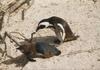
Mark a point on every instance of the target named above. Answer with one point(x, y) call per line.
point(42, 26)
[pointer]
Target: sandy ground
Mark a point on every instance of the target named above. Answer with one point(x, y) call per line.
point(84, 19)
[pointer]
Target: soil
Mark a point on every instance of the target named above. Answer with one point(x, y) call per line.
point(83, 16)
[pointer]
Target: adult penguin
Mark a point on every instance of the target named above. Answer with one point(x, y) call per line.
point(61, 28)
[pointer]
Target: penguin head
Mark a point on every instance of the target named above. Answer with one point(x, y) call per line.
point(42, 25)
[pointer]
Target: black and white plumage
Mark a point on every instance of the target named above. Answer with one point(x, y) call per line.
point(60, 26)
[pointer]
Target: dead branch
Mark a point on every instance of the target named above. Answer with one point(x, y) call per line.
point(21, 34)
point(3, 42)
point(2, 13)
point(16, 5)
point(11, 38)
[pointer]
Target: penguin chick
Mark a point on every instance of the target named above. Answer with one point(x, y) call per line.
point(61, 28)
point(38, 49)
point(47, 50)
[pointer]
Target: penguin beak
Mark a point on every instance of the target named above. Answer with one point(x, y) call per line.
point(37, 29)
point(40, 27)
point(18, 48)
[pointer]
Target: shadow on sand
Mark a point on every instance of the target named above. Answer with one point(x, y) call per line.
point(21, 60)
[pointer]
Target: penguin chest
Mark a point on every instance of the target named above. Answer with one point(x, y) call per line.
point(61, 30)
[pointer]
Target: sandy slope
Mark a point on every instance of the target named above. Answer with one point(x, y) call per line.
point(84, 19)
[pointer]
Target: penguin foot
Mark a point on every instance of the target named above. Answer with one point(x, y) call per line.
point(32, 60)
point(57, 41)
